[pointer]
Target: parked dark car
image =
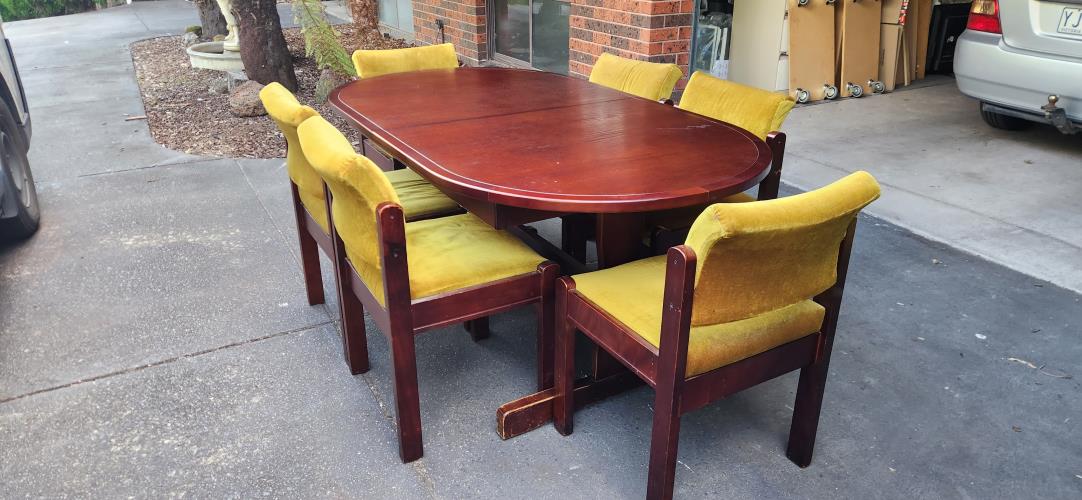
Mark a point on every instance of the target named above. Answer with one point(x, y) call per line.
point(19, 212)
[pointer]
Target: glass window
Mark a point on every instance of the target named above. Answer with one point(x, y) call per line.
point(713, 30)
point(551, 32)
point(513, 28)
point(535, 32)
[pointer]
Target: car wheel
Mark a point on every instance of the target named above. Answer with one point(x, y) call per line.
point(1004, 122)
point(20, 196)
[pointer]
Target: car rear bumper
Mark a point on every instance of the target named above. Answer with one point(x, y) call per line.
point(986, 69)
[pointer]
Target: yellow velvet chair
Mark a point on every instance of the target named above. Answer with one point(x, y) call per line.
point(420, 199)
point(758, 111)
point(415, 276)
point(754, 293)
point(654, 81)
point(373, 63)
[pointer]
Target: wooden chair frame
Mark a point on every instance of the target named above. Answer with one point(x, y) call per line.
point(664, 368)
point(401, 318)
point(311, 238)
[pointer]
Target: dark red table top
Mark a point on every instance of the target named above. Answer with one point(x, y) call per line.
point(547, 142)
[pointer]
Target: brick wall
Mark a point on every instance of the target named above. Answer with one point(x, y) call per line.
point(463, 25)
point(648, 30)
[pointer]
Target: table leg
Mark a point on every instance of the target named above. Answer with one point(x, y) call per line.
point(619, 240)
point(574, 231)
point(530, 412)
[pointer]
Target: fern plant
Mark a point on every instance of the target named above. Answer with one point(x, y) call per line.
point(320, 40)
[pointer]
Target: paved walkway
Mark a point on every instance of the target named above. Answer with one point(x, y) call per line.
point(154, 341)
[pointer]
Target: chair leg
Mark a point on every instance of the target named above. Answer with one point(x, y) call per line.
point(478, 329)
point(354, 333)
point(809, 400)
point(663, 444)
point(313, 277)
point(406, 396)
point(564, 403)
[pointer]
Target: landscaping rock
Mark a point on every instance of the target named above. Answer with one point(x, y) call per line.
point(244, 101)
point(234, 79)
point(190, 39)
point(219, 86)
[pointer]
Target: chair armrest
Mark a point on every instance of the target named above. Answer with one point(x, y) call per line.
point(680, 264)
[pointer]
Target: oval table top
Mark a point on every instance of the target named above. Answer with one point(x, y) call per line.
point(548, 142)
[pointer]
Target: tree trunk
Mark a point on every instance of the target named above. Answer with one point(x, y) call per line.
point(210, 16)
point(262, 47)
point(365, 13)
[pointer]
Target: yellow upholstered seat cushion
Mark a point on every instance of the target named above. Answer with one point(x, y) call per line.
point(372, 63)
point(648, 80)
point(442, 254)
point(452, 253)
point(756, 110)
point(633, 294)
point(288, 114)
point(420, 199)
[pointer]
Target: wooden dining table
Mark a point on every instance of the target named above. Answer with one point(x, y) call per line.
point(517, 146)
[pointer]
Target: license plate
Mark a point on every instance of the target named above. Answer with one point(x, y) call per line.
point(1070, 21)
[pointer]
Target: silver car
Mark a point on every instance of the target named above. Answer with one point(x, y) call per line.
point(19, 212)
point(1023, 60)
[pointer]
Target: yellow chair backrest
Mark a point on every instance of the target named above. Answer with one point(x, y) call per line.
point(756, 110)
point(357, 187)
point(760, 256)
point(288, 114)
point(648, 80)
point(371, 63)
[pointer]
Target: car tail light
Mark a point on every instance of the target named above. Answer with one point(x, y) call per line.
point(984, 16)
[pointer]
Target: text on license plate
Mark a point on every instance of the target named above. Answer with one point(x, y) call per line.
point(1070, 21)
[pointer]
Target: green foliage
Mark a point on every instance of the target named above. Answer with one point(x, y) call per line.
point(320, 40)
point(14, 10)
point(198, 30)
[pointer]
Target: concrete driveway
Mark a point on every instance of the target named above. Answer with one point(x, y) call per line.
point(155, 341)
point(1010, 197)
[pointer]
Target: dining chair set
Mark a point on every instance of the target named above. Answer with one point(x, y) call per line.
point(726, 295)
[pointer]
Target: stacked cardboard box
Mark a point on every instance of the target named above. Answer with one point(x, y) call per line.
point(904, 41)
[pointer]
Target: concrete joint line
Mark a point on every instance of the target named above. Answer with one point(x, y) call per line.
point(289, 243)
point(933, 200)
point(156, 165)
point(165, 361)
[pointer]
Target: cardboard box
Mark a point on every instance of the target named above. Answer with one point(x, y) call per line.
point(911, 37)
point(890, 45)
point(924, 25)
point(891, 11)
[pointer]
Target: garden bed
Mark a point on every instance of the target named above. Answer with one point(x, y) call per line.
point(184, 115)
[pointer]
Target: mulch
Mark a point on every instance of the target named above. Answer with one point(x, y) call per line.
point(184, 115)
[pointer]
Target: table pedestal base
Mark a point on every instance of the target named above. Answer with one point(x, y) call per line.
point(530, 412)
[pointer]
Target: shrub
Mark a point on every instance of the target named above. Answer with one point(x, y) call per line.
point(320, 40)
point(14, 10)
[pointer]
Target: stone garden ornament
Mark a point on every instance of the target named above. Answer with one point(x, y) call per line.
point(223, 55)
point(231, 42)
